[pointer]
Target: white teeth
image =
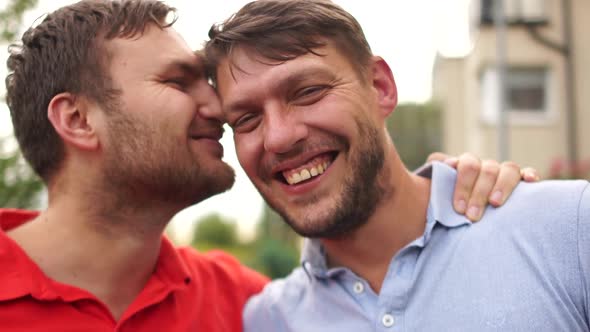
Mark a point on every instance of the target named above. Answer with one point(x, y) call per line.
point(314, 171)
point(305, 174)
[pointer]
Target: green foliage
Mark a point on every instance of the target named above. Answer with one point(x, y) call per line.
point(277, 259)
point(416, 130)
point(244, 252)
point(278, 245)
point(215, 230)
point(19, 186)
point(11, 18)
point(274, 252)
point(272, 226)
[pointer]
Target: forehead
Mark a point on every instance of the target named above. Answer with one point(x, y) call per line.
point(151, 50)
point(247, 73)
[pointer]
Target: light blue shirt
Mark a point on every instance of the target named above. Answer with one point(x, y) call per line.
point(523, 267)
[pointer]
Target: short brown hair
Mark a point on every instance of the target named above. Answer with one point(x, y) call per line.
point(66, 53)
point(282, 30)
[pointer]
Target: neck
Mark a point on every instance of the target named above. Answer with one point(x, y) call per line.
point(398, 220)
point(107, 250)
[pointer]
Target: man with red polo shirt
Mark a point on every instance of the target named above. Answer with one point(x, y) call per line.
point(114, 112)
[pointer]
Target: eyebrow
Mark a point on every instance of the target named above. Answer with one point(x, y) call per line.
point(192, 68)
point(291, 80)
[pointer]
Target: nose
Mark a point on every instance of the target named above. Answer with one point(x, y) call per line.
point(282, 130)
point(208, 102)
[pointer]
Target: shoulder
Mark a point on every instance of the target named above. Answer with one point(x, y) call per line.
point(560, 191)
point(546, 217)
point(584, 204)
point(550, 201)
point(584, 236)
point(219, 268)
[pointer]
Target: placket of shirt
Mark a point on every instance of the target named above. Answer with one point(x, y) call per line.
point(387, 309)
point(155, 291)
point(360, 291)
point(393, 298)
point(389, 313)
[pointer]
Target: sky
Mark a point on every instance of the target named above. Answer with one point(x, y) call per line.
point(407, 34)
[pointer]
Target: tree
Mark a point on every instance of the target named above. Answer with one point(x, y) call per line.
point(11, 18)
point(19, 187)
point(215, 230)
point(277, 245)
point(272, 226)
point(416, 130)
point(276, 259)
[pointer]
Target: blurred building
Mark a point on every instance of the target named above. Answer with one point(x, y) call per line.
point(547, 83)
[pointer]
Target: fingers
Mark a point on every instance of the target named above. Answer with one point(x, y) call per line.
point(436, 156)
point(529, 174)
point(508, 178)
point(468, 168)
point(484, 188)
point(483, 182)
point(442, 157)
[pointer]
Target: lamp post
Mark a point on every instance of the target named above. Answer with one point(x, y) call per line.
point(502, 125)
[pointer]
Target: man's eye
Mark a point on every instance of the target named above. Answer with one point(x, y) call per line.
point(176, 83)
point(245, 123)
point(310, 94)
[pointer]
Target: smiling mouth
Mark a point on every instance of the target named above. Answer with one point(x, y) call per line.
point(311, 169)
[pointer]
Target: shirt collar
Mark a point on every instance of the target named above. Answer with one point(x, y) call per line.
point(20, 276)
point(11, 218)
point(313, 258)
point(441, 197)
point(440, 210)
point(13, 259)
point(171, 268)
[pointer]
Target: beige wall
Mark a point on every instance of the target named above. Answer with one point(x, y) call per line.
point(456, 85)
point(581, 36)
point(449, 83)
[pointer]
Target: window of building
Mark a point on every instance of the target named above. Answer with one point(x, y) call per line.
point(526, 90)
point(527, 93)
point(515, 11)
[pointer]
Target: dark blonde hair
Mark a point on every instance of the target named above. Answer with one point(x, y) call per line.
point(282, 30)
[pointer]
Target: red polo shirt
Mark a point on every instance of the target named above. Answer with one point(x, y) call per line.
point(188, 291)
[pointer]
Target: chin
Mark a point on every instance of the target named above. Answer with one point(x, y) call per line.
point(310, 224)
point(220, 180)
point(326, 220)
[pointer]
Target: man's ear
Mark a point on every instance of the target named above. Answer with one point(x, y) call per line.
point(384, 84)
point(69, 116)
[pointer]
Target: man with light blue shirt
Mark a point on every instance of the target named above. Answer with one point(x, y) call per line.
point(307, 101)
point(524, 267)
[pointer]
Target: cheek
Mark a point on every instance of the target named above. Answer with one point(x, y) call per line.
point(333, 121)
point(335, 113)
point(249, 153)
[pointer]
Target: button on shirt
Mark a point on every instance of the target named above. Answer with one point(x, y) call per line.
point(523, 267)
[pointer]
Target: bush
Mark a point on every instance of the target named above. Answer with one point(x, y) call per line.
point(276, 259)
point(215, 230)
